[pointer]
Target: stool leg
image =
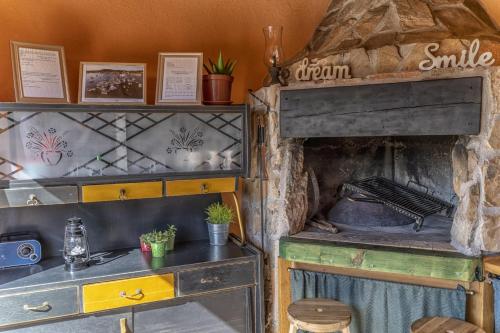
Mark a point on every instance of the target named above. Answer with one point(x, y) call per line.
point(293, 329)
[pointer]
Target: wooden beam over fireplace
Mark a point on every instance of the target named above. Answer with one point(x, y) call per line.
point(429, 107)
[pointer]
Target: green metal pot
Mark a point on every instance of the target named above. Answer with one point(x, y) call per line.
point(158, 249)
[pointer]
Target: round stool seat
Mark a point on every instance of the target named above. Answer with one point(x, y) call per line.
point(319, 315)
point(443, 325)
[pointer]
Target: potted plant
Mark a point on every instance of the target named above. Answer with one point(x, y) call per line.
point(218, 218)
point(170, 235)
point(145, 240)
point(158, 244)
point(218, 81)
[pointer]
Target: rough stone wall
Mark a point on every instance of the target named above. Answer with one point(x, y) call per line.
point(476, 170)
point(373, 24)
point(285, 198)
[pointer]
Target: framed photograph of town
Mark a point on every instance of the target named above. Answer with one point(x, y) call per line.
point(39, 73)
point(112, 83)
point(179, 78)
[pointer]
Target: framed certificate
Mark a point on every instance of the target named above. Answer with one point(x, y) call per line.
point(112, 83)
point(39, 73)
point(179, 78)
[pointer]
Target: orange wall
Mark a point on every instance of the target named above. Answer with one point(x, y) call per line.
point(136, 30)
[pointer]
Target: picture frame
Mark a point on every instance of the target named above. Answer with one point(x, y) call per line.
point(39, 73)
point(111, 83)
point(179, 78)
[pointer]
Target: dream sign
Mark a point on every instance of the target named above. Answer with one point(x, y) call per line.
point(316, 70)
point(468, 58)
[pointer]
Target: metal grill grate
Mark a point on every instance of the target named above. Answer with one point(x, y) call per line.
point(414, 204)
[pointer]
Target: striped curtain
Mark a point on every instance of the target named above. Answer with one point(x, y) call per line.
point(380, 306)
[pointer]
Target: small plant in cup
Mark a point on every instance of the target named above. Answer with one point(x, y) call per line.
point(219, 216)
point(170, 236)
point(158, 243)
point(145, 240)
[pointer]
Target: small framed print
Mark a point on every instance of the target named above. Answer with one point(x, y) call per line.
point(179, 78)
point(112, 83)
point(39, 73)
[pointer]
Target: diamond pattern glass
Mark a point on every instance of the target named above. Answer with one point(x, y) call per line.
point(41, 145)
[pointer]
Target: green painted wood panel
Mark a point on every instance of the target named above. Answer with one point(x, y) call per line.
point(414, 264)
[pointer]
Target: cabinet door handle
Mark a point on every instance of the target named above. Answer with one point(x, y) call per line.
point(45, 306)
point(210, 280)
point(138, 294)
point(123, 194)
point(32, 200)
point(123, 325)
point(204, 188)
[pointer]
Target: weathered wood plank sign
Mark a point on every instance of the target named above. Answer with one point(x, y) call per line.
point(467, 58)
point(315, 70)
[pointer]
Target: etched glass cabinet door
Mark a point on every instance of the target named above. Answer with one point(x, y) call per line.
point(76, 141)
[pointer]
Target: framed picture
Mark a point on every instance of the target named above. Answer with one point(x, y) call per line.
point(112, 83)
point(39, 73)
point(179, 78)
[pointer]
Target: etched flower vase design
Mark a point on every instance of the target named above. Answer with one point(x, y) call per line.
point(47, 146)
point(183, 144)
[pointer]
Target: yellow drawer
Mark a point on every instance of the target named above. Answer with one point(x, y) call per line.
point(123, 191)
point(200, 186)
point(117, 294)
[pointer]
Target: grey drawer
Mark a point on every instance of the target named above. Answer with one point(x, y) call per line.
point(37, 196)
point(218, 277)
point(52, 303)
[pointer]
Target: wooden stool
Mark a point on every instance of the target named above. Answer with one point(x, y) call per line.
point(319, 315)
point(443, 325)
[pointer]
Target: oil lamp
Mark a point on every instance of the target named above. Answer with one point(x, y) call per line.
point(273, 54)
point(76, 250)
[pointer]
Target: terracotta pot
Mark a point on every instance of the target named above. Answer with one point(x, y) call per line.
point(217, 89)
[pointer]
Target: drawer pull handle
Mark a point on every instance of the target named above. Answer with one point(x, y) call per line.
point(210, 280)
point(204, 188)
point(138, 295)
point(123, 194)
point(40, 308)
point(32, 200)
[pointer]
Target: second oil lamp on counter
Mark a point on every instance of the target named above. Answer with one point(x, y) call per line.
point(76, 250)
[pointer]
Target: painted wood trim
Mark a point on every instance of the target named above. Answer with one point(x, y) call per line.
point(437, 107)
point(122, 191)
point(200, 186)
point(107, 295)
point(411, 264)
point(284, 294)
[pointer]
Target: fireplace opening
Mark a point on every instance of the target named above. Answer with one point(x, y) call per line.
point(422, 165)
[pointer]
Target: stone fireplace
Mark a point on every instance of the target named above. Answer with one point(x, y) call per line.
point(384, 42)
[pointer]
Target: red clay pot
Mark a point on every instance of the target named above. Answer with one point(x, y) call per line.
point(217, 89)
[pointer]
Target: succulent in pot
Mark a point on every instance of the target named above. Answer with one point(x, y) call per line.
point(219, 216)
point(218, 81)
point(170, 235)
point(158, 244)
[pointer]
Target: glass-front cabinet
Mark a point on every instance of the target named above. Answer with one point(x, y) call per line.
point(81, 142)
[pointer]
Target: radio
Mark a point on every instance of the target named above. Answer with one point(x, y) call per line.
point(19, 249)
